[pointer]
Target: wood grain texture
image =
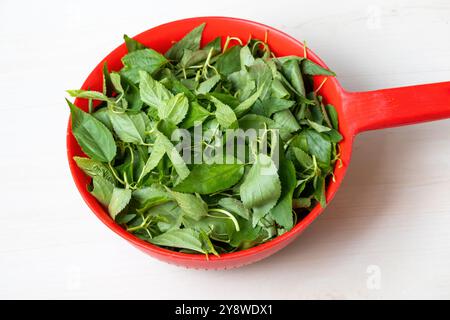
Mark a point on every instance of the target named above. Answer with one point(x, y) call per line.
point(389, 222)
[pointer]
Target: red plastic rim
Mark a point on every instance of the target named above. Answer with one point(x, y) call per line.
point(160, 38)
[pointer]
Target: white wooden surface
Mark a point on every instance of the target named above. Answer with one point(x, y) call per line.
point(386, 235)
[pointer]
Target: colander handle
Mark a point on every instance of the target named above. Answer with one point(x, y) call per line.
point(396, 107)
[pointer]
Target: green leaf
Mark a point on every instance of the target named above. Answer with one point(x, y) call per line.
point(335, 136)
point(174, 109)
point(147, 60)
point(318, 127)
point(313, 69)
point(176, 87)
point(303, 158)
point(247, 236)
point(153, 93)
point(270, 106)
point(261, 72)
point(140, 121)
point(195, 114)
point(319, 146)
point(218, 226)
point(102, 116)
point(87, 94)
point(235, 206)
point(243, 84)
point(245, 105)
point(301, 203)
point(125, 128)
point(254, 121)
point(154, 201)
point(102, 190)
point(208, 84)
point(210, 178)
point(115, 80)
point(291, 70)
point(300, 141)
point(191, 205)
point(261, 188)
point(180, 238)
point(93, 137)
point(226, 98)
point(190, 41)
point(229, 61)
point(132, 96)
point(142, 195)
point(284, 119)
point(282, 212)
point(166, 127)
point(156, 155)
point(94, 168)
point(207, 244)
point(169, 215)
point(215, 44)
point(278, 90)
point(333, 115)
point(119, 200)
point(191, 58)
point(319, 193)
point(132, 45)
point(224, 114)
point(246, 57)
point(177, 161)
point(107, 85)
point(263, 78)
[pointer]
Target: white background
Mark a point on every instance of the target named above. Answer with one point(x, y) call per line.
point(389, 222)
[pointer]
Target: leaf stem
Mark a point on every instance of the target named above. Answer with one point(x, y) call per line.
point(227, 42)
point(320, 86)
point(229, 216)
point(90, 106)
point(115, 174)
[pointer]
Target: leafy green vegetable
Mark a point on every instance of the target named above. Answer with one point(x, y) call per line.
point(147, 60)
point(224, 114)
point(272, 105)
point(177, 161)
point(92, 135)
point(94, 95)
point(229, 62)
point(210, 178)
point(125, 128)
point(261, 188)
point(94, 168)
point(174, 109)
point(192, 205)
point(319, 146)
point(132, 45)
point(169, 188)
point(153, 93)
point(333, 115)
point(208, 84)
point(191, 41)
point(282, 212)
point(155, 157)
point(313, 69)
point(195, 114)
point(102, 189)
point(119, 199)
point(235, 206)
point(291, 70)
point(180, 238)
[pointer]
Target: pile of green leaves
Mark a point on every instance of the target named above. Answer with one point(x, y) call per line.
point(144, 183)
